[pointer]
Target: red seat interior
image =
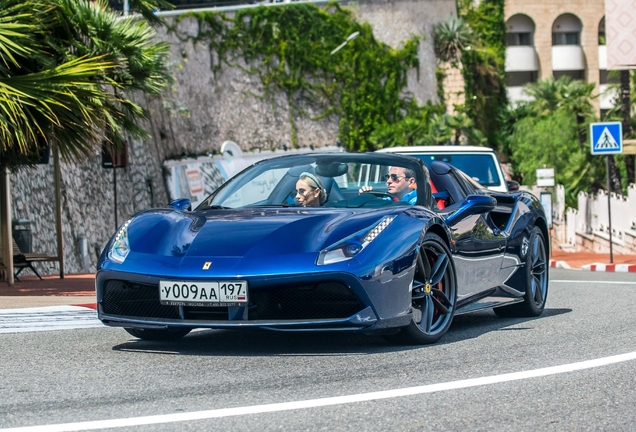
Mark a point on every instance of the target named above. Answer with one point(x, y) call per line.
point(441, 203)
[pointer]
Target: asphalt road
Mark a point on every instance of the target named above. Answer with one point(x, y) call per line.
point(102, 374)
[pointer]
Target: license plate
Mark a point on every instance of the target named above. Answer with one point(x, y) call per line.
point(210, 293)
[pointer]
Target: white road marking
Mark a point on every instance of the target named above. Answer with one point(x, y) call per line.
point(47, 318)
point(330, 401)
point(594, 281)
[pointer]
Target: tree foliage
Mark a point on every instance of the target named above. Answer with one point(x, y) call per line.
point(65, 68)
point(483, 67)
point(551, 130)
point(452, 38)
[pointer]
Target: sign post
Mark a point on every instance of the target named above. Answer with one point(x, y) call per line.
point(546, 202)
point(545, 177)
point(606, 139)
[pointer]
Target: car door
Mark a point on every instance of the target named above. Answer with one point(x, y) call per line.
point(480, 245)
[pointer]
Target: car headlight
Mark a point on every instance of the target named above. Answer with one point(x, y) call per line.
point(354, 244)
point(120, 248)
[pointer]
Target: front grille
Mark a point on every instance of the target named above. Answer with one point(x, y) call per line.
point(331, 300)
point(215, 313)
point(135, 300)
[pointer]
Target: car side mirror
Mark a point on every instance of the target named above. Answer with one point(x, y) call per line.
point(472, 205)
point(182, 204)
point(512, 185)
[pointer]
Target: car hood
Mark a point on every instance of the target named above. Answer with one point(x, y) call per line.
point(244, 233)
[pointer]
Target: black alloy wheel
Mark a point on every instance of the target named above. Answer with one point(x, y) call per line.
point(434, 293)
point(537, 266)
point(158, 334)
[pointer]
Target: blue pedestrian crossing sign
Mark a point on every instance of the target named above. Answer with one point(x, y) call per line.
point(606, 138)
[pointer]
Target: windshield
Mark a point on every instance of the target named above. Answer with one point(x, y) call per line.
point(481, 167)
point(325, 180)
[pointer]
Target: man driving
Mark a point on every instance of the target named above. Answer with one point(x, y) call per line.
point(400, 183)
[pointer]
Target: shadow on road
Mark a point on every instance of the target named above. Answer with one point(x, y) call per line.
point(475, 324)
point(252, 342)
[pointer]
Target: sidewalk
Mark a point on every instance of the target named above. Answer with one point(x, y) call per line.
point(592, 261)
point(75, 289)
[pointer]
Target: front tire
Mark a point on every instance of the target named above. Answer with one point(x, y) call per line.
point(434, 294)
point(536, 281)
point(158, 334)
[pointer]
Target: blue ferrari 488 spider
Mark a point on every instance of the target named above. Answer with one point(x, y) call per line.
point(332, 241)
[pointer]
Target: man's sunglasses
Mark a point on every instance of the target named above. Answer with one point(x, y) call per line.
point(393, 177)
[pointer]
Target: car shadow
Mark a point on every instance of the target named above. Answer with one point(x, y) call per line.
point(256, 343)
point(477, 323)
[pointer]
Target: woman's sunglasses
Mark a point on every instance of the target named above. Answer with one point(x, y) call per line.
point(302, 192)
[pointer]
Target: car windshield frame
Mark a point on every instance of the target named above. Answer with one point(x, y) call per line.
point(325, 164)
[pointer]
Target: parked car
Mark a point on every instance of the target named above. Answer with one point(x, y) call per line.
point(249, 256)
point(481, 163)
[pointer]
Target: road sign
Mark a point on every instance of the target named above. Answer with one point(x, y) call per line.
point(545, 177)
point(606, 138)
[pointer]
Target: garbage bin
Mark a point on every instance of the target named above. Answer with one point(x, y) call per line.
point(21, 231)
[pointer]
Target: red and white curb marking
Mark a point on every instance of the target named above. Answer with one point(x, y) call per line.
point(559, 264)
point(598, 267)
point(624, 268)
point(48, 318)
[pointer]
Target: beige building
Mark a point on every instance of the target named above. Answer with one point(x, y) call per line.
point(556, 38)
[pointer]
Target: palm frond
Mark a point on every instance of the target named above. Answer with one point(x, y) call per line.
point(452, 37)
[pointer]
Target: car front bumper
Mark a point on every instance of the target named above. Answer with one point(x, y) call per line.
point(328, 301)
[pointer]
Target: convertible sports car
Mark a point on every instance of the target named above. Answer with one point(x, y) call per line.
point(250, 256)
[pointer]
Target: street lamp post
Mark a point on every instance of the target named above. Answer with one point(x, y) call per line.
point(351, 37)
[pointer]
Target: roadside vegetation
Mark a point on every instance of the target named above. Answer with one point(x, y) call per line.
point(553, 130)
point(67, 69)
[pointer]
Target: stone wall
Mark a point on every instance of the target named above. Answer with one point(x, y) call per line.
point(201, 113)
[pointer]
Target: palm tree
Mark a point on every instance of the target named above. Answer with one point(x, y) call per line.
point(577, 97)
point(452, 38)
point(65, 68)
point(546, 95)
point(146, 8)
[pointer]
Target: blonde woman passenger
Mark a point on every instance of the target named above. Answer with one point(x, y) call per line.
point(310, 191)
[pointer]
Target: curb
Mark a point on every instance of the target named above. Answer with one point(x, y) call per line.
point(625, 268)
point(559, 264)
point(87, 305)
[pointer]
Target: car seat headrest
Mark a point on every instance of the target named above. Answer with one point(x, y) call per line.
point(332, 169)
point(440, 168)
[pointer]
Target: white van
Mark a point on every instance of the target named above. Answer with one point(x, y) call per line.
point(480, 163)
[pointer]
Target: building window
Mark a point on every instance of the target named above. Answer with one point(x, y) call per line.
point(574, 74)
point(566, 30)
point(519, 30)
point(609, 77)
point(601, 33)
point(518, 79)
point(570, 38)
point(519, 39)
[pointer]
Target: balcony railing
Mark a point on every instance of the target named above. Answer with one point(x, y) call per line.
point(568, 58)
point(521, 58)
